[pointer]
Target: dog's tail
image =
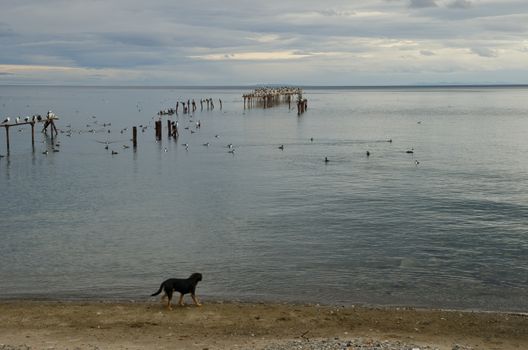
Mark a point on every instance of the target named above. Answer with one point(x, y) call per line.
point(159, 290)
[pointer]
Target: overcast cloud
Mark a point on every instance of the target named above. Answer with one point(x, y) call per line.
point(354, 42)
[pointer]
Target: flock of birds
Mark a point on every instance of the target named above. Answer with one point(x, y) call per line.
point(94, 126)
point(36, 118)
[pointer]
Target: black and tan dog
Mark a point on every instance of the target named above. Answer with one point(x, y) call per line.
point(181, 285)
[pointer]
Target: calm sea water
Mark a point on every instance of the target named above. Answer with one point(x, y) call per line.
point(265, 224)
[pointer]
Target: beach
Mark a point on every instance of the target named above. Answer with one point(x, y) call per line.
point(235, 325)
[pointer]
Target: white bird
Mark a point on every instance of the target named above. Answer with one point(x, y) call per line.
point(6, 120)
point(17, 120)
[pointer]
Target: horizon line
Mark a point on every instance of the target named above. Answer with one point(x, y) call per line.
point(305, 86)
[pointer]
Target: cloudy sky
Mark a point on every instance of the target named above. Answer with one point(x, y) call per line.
point(228, 42)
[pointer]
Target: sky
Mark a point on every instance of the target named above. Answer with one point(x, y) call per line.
point(228, 42)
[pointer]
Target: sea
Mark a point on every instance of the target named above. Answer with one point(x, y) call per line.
point(86, 216)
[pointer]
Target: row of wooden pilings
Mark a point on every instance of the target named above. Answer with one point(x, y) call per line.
point(270, 97)
point(172, 131)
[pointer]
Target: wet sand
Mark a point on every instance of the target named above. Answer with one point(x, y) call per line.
point(218, 325)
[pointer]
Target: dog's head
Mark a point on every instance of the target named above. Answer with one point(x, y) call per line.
point(196, 277)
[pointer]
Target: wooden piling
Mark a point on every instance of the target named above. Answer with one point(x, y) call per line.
point(169, 127)
point(134, 136)
point(33, 134)
point(158, 130)
point(7, 138)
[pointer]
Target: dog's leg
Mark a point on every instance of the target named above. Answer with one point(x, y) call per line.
point(169, 296)
point(195, 299)
point(180, 302)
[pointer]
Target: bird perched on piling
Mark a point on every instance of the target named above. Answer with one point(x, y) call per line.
point(17, 120)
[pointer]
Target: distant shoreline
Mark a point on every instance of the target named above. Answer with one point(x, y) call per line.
point(309, 87)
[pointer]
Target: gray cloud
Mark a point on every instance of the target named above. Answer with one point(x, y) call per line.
point(484, 52)
point(422, 3)
point(426, 53)
point(460, 4)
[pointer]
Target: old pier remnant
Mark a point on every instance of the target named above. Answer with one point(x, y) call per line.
point(48, 120)
point(267, 97)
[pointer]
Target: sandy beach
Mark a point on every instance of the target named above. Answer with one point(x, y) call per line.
point(231, 325)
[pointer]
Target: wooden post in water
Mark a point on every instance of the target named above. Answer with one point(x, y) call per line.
point(33, 134)
point(158, 130)
point(134, 136)
point(7, 138)
point(169, 127)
